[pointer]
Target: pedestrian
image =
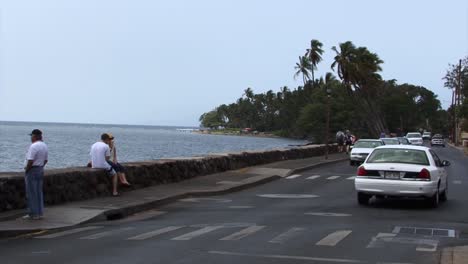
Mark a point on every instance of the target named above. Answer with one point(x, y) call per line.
point(100, 157)
point(119, 169)
point(340, 139)
point(348, 141)
point(36, 158)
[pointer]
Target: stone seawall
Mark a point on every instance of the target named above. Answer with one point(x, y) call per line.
point(81, 183)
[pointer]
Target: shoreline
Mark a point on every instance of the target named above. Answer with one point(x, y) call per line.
point(220, 133)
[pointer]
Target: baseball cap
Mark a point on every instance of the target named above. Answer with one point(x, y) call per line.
point(107, 136)
point(36, 132)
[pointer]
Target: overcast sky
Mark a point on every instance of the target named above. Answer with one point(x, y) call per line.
point(167, 62)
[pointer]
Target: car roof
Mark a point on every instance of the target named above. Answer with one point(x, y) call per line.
point(389, 138)
point(370, 140)
point(403, 147)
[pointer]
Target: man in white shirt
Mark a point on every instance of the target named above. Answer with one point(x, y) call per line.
point(100, 157)
point(36, 159)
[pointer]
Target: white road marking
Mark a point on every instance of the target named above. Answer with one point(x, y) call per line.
point(433, 231)
point(377, 241)
point(334, 238)
point(243, 233)
point(333, 177)
point(288, 196)
point(287, 235)
point(313, 177)
point(351, 178)
point(106, 233)
point(457, 182)
point(241, 207)
point(154, 233)
point(70, 232)
point(197, 233)
point(451, 233)
point(293, 176)
point(428, 246)
point(327, 214)
point(335, 260)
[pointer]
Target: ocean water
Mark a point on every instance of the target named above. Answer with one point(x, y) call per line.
point(69, 144)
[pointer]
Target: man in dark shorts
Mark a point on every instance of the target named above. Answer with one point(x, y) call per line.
point(340, 139)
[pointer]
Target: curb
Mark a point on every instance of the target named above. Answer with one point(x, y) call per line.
point(115, 214)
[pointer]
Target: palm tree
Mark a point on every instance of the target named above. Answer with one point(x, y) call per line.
point(303, 68)
point(344, 62)
point(315, 55)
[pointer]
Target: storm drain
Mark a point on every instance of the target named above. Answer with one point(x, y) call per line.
point(430, 232)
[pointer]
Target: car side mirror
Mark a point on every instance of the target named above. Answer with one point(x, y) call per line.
point(445, 163)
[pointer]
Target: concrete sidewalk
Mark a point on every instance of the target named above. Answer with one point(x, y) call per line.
point(454, 255)
point(109, 208)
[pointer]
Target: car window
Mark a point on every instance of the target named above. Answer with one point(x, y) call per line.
point(367, 144)
point(414, 135)
point(436, 158)
point(407, 156)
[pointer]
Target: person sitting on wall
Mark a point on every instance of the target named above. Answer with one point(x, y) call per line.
point(114, 162)
point(100, 157)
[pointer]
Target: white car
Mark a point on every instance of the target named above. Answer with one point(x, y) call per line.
point(437, 140)
point(402, 171)
point(361, 150)
point(427, 135)
point(415, 138)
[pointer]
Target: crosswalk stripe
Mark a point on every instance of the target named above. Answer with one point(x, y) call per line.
point(197, 233)
point(293, 176)
point(106, 233)
point(286, 235)
point(351, 178)
point(70, 232)
point(243, 233)
point(457, 182)
point(334, 238)
point(380, 238)
point(313, 177)
point(154, 233)
point(333, 177)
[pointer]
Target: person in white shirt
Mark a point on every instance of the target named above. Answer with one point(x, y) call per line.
point(36, 158)
point(100, 157)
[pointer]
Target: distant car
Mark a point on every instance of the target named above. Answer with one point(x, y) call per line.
point(390, 141)
point(402, 171)
point(403, 141)
point(361, 149)
point(415, 138)
point(426, 136)
point(437, 140)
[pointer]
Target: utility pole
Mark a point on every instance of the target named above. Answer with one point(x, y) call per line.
point(327, 126)
point(458, 101)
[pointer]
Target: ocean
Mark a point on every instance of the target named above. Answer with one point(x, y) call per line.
point(69, 144)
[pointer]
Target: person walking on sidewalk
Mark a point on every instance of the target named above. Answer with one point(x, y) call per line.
point(100, 158)
point(36, 158)
point(115, 164)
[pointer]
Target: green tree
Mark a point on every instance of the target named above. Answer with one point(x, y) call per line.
point(302, 68)
point(314, 53)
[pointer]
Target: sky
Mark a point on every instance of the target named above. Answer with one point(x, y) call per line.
point(168, 62)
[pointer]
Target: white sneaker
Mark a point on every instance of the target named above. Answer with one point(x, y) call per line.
point(26, 217)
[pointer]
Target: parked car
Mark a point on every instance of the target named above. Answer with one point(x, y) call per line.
point(402, 171)
point(415, 138)
point(403, 141)
point(438, 140)
point(427, 135)
point(390, 141)
point(361, 149)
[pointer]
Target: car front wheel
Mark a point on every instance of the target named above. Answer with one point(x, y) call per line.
point(363, 198)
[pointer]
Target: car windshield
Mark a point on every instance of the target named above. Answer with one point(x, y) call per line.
point(368, 144)
point(407, 156)
point(414, 135)
point(391, 141)
point(427, 133)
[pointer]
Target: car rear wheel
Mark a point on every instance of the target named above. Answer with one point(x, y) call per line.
point(444, 195)
point(351, 163)
point(363, 198)
point(434, 200)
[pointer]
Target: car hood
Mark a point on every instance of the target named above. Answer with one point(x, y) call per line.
point(361, 150)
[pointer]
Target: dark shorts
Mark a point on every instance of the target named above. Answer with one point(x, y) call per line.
point(341, 142)
point(117, 167)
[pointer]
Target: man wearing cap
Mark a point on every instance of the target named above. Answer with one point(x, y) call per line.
point(36, 159)
point(100, 157)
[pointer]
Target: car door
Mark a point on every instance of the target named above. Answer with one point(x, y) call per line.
point(440, 169)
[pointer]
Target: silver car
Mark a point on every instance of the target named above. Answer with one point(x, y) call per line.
point(402, 171)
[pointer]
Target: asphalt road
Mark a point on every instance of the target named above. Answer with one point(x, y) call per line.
point(312, 217)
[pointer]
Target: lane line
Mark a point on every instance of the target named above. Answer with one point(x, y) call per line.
point(69, 232)
point(287, 235)
point(457, 182)
point(335, 260)
point(327, 214)
point(333, 177)
point(106, 233)
point(197, 233)
point(293, 176)
point(313, 177)
point(155, 233)
point(334, 238)
point(243, 233)
point(351, 178)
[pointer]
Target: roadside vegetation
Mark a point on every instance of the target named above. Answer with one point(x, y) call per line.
point(360, 100)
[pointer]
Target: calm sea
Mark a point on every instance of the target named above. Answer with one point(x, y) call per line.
point(69, 144)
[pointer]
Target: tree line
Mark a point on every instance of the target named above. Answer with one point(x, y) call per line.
point(360, 100)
